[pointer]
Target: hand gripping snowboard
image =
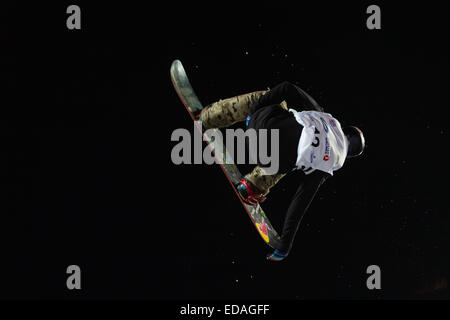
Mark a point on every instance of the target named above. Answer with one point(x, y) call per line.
point(187, 95)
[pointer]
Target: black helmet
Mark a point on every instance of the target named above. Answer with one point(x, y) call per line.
point(356, 141)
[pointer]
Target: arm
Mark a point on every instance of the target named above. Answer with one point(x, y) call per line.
point(300, 203)
point(286, 91)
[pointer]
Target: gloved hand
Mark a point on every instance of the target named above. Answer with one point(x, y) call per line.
point(249, 193)
point(277, 255)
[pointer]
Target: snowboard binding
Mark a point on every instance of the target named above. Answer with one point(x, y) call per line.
point(249, 193)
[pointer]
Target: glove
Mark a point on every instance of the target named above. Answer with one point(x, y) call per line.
point(249, 193)
point(277, 255)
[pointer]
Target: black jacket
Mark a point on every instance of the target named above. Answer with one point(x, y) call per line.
point(267, 114)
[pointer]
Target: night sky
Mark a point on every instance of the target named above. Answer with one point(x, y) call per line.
point(86, 175)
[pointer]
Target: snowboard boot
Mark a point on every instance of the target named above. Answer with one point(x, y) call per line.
point(277, 255)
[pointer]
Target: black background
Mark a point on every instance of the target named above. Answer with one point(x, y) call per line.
point(86, 175)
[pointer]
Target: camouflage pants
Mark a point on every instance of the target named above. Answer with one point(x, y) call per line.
point(227, 112)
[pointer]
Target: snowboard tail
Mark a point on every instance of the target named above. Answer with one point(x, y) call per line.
point(193, 105)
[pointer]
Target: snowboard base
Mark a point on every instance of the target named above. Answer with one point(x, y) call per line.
point(190, 100)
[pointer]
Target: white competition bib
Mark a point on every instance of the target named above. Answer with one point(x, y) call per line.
point(323, 145)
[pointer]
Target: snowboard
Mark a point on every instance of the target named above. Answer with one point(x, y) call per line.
point(190, 100)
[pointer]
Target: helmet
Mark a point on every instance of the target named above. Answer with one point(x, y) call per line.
point(356, 141)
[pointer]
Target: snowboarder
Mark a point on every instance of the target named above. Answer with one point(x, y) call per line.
point(311, 140)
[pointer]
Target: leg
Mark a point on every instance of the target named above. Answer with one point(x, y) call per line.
point(224, 113)
point(263, 182)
